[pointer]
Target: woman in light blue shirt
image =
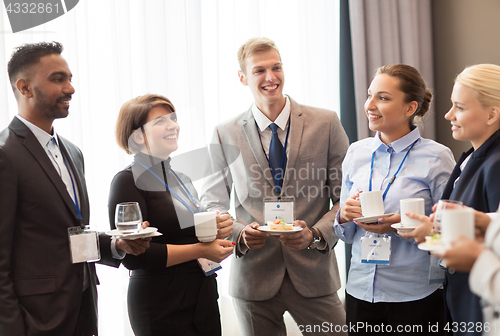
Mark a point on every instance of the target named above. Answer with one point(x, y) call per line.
point(395, 293)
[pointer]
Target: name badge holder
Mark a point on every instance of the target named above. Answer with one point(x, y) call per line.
point(84, 244)
point(375, 249)
point(209, 267)
point(279, 208)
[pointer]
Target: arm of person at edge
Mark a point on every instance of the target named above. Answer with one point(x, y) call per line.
point(337, 150)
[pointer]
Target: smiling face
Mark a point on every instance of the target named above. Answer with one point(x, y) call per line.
point(161, 133)
point(386, 109)
point(469, 119)
point(50, 88)
point(265, 78)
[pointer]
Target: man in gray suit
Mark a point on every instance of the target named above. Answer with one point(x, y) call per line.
point(295, 272)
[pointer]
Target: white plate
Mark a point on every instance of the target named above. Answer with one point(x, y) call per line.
point(371, 219)
point(147, 232)
point(401, 228)
point(431, 247)
point(278, 232)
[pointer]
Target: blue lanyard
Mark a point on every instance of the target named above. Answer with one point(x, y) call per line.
point(75, 202)
point(173, 192)
point(394, 177)
point(278, 188)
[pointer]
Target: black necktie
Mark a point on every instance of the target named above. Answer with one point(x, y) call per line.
point(275, 157)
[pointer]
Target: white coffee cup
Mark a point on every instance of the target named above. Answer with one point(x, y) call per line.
point(456, 222)
point(372, 203)
point(205, 226)
point(415, 205)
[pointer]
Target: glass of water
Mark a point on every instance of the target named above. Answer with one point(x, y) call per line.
point(128, 217)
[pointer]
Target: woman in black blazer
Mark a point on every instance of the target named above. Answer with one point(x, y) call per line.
point(169, 293)
point(474, 117)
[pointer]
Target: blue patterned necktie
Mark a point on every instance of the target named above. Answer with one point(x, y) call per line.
point(275, 157)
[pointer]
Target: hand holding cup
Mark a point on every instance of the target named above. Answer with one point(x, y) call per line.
point(205, 226)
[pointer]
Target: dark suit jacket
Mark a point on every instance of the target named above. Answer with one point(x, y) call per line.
point(40, 288)
point(479, 188)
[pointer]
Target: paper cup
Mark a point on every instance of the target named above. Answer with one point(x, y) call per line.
point(415, 205)
point(205, 225)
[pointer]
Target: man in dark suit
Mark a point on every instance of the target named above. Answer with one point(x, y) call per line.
point(42, 194)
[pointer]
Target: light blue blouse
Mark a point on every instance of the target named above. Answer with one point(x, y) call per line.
point(424, 174)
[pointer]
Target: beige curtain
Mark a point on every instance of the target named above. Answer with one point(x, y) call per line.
point(387, 32)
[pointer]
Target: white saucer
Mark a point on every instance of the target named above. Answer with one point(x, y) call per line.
point(278, 232)
point(371, 219)
point(432, 247)
point(401, 228)
point(147, 232)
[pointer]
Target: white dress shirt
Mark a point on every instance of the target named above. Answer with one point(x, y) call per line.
point(263, 123)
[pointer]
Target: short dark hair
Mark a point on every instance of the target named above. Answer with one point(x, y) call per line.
point(27, 55)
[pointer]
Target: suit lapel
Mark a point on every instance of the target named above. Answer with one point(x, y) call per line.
point(295, 138)
point(251, 133)
point(466, 177)
point(33, 146)
point(450, 185)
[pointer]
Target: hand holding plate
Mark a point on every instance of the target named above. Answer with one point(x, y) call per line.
point(254, 238)
point(421, 231)
point(298, 240)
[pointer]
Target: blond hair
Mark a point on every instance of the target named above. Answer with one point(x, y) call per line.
point(253, 46)
point(133, 115)
point(485, 80)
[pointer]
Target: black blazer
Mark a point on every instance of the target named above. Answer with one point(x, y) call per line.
point(479, 188)
point(40, 288)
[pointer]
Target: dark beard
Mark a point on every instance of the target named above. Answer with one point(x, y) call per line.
point(50, 110)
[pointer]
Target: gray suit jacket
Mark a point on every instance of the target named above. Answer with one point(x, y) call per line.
point(313, 176)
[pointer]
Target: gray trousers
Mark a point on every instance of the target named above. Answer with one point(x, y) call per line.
point(322, 315)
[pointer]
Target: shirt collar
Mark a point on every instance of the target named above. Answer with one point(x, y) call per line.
point(399, 144)
point(263, 122)
point(42, 136)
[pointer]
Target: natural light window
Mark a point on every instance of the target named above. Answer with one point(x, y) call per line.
point(186, 51)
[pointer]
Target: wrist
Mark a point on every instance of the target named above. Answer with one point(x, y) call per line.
point(316, 238)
